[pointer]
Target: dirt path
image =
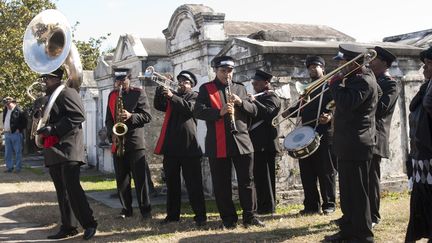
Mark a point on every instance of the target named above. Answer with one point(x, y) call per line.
point(29, 212)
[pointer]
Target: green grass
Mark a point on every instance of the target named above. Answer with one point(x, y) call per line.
point(35, 170)
point(98, 182)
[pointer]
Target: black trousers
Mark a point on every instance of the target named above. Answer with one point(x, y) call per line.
point(264, 177)
point(354, 199)
point(71, 196)
point(319, 167)
point(221, 177)
point(375, 188)
point(132, 165)
point(191, 170)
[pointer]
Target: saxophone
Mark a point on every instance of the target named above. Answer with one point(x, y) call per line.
point(119, 129)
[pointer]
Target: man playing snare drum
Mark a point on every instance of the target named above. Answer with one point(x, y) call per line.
point(319, 165)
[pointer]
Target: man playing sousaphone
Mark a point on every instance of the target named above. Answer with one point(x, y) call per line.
point(320, 165)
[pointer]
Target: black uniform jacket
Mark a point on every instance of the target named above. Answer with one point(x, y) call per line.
point(134, 101)
point(265, 136)
point(384, 113)
point(311, 111)
point(420, 123)
point(18, 119)
point(179, 136)
point(66, 117)
point(354, 118)
point(218, 144)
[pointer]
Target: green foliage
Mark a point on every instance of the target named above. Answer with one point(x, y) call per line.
point(98, 182)
point(15, 75)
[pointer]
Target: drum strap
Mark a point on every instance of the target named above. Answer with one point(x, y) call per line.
point(319, 107)
point(256, 124)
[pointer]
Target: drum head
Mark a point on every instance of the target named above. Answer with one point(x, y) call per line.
point(299, 138)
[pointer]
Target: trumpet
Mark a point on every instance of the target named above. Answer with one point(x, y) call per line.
point(305, 95)
point(158, 78)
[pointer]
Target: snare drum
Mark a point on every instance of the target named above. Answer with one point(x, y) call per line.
point(302, 142)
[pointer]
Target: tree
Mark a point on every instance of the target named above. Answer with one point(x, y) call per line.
point(15, 75)
point(89, 50)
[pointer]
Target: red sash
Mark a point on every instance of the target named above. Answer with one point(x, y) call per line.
point(49, 141)
point(215, 102)
point(160, 142)
point(111, 104)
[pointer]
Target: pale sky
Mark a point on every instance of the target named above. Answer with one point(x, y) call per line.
point(365, 20)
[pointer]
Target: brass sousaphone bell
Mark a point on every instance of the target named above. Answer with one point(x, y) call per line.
point(47, 45)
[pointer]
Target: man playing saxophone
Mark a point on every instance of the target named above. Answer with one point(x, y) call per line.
point(134, 114)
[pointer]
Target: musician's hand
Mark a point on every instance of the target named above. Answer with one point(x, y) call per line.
point(167, 93)
point(126, 115)
point(325, 118)
point(114, 138)
point(224, 110)
point(45, 131)
point(230, 108)
point(235, 99)
point(251, 97)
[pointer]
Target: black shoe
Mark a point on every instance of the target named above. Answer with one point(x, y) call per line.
point(126, 213)
point(338, 221)
point(89, 233)
point(328, 211)
point(63, 234)
point(168, 220)
point(338, 237)
point(264, 212)
point(229, 225)
point(253, 222)
point(305, 212)
point(8, 171)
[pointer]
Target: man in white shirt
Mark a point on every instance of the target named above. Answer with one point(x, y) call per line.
point(14, 122)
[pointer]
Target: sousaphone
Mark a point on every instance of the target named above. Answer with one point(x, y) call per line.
point(47, 45)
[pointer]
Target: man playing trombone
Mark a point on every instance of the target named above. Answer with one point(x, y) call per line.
point(355, 93)
point(320, 165)
point(228, 142)
point(265, 140)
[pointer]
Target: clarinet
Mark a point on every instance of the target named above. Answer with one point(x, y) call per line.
point(228, 93)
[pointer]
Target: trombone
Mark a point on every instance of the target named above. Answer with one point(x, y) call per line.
point(305, 95)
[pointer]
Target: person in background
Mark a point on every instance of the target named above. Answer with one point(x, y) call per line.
point(178, 143)
point(383, 116)
point(420, 155)
point(14, 123)
point(265, 141)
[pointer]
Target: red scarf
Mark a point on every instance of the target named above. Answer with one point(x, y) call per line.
point(216, 103)
point(160, 142)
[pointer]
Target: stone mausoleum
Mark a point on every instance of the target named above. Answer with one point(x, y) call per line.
point(196, 34)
